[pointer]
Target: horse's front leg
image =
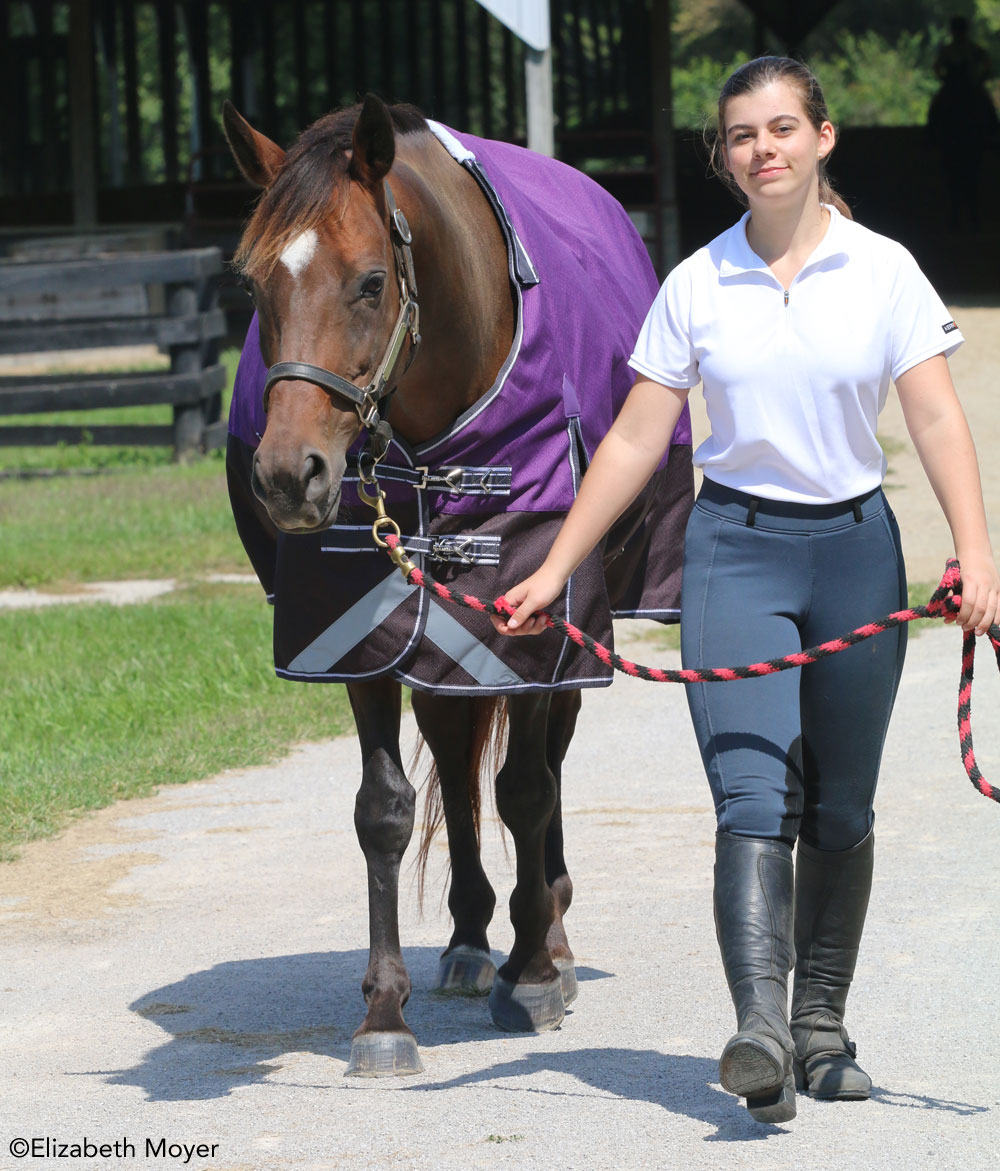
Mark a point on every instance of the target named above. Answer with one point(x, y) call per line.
point(456, 730)
point(563, 711)
point(383, 818)
point(527, 992)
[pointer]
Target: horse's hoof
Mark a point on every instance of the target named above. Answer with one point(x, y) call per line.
point(465, 971)
point(527, 1008)
point(384, 1055)
point(567, 979)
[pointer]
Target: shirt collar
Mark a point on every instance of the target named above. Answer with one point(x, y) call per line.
point(739, 257)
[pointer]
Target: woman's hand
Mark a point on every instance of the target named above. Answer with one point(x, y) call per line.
point(980, 595)
point(534, 593)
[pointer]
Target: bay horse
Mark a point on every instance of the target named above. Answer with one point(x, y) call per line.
point(347, 383)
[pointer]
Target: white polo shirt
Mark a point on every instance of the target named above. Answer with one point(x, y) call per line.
point(794, 379)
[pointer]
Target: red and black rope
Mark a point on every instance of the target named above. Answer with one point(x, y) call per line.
point(946, 599)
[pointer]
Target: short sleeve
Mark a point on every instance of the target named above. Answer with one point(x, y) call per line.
point(921, 324)
point(663, 350)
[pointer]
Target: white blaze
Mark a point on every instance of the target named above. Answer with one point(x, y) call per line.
point(298, 254)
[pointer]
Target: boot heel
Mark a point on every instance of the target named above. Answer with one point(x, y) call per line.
point(776, 1107)
point(751, 1064)
point(801, 1082)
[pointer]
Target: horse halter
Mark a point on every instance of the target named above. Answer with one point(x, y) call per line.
point(366, 399)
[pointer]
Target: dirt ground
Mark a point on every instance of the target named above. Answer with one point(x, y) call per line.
point(975, 369)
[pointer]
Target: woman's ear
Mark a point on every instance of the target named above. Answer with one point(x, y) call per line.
point(827, 139)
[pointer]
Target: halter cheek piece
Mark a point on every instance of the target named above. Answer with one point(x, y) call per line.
point(366, 399)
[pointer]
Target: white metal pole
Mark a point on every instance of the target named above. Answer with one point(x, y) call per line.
point(538, 87)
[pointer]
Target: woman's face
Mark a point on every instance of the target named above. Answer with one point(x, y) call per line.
point(771, 147)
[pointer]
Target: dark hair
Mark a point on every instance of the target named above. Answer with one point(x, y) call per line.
point(754, 75)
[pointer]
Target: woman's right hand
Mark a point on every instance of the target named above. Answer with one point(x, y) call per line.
point(534, 593)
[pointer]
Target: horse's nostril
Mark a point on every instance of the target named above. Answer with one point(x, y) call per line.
point(256, 483)
point(315, 476)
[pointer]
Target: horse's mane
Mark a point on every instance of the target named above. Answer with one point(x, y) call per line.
point(308, 187)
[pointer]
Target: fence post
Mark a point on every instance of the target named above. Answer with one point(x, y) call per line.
point(189, 418)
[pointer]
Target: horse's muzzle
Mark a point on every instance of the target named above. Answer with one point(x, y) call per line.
point(300, 496)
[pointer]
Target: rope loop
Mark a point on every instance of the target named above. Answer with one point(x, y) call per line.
point(944, 601)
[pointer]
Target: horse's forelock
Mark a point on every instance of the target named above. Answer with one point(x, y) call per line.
point(305, 191)
point(308, 188)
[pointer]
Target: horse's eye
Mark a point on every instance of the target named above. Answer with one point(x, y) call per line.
point(246, 284)
point(372, 288)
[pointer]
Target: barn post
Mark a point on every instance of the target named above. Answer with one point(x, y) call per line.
point(81, 113)
point(538, 88)
point(530, 20)
point(189, 418)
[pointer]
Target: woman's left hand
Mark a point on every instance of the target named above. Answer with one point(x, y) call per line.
point(980, 595)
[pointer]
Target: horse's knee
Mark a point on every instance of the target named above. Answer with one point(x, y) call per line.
point(384, 808)
point(526, 795)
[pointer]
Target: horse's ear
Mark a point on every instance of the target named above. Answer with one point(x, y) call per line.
point(257, 156)
point(374, 145)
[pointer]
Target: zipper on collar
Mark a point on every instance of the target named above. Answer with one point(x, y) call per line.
point(786, 297)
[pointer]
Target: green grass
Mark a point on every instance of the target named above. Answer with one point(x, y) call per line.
point(145, 516)
point(102, 702)
point(170, 521)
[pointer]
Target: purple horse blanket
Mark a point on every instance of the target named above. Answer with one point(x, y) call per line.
point(480, 504)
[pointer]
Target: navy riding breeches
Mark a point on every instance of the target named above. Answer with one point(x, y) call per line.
point(796, 752)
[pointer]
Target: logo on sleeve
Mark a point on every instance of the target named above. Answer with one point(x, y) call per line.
point(949, 327)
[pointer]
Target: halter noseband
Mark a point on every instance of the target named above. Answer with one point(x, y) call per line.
point(366, 399)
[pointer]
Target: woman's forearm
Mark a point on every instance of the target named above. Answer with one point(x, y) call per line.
point(941, 436)
point(940, 433)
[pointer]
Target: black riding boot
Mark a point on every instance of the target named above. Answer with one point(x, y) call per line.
point(831, 898)
point(753, 921)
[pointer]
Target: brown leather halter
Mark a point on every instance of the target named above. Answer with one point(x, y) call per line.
point(366, 399)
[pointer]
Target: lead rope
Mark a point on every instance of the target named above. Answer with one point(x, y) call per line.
point(946, 599)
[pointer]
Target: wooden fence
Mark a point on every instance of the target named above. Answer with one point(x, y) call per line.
point(96, 304)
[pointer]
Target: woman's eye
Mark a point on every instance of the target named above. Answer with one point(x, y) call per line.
point(373, 287)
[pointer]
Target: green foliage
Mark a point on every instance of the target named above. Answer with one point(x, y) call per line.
point(717, 30)
point(870, 82)
point(875, 63)
point(696, 89)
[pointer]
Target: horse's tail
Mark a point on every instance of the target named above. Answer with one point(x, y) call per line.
point(489, 741)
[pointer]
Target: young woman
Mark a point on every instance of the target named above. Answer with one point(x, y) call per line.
point(795, 321)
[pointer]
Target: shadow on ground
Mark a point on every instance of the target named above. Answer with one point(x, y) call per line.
point(229, 1025)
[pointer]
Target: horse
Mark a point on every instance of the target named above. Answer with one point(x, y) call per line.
point(398, 354)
